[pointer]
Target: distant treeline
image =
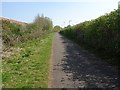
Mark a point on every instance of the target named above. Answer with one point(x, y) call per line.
point(101, 34)
point(13, 33)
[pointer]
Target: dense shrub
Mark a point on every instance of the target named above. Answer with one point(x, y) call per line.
point(101, 34)
point(13, 33)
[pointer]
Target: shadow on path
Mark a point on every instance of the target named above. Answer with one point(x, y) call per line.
point(74, 67)
point(86, 69)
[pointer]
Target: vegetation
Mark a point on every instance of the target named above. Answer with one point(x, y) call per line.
point(14, 33)
point(27, 51)
point(101, 35)
point(57, 28)
point(29, 68)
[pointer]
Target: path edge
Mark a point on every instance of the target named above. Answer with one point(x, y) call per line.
point(50, 66)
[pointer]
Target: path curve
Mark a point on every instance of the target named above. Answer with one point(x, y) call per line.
point(74, 67)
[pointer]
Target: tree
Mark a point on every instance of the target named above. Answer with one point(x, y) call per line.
point(43, 23)
point(57, 28)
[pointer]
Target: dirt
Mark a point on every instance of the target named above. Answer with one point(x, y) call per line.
point(74, 67)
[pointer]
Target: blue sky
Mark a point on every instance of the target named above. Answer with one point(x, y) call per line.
point(59, 12)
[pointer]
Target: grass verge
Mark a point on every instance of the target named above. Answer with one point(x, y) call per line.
point(29, 68)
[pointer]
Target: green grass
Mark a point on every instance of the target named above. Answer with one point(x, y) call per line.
point(29, 68)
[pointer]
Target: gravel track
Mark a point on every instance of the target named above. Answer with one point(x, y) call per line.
point(74, 67)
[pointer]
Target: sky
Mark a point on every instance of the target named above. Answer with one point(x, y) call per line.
point(60, 12)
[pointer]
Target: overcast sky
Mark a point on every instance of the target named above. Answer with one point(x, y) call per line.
point(60, 12)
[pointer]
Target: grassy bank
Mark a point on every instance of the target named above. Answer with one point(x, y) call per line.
point(28, 68)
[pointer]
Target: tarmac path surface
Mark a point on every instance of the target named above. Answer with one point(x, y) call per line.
point(74, 67)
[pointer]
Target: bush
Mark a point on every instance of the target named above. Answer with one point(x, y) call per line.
point(14, 33)
point(101, 34)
